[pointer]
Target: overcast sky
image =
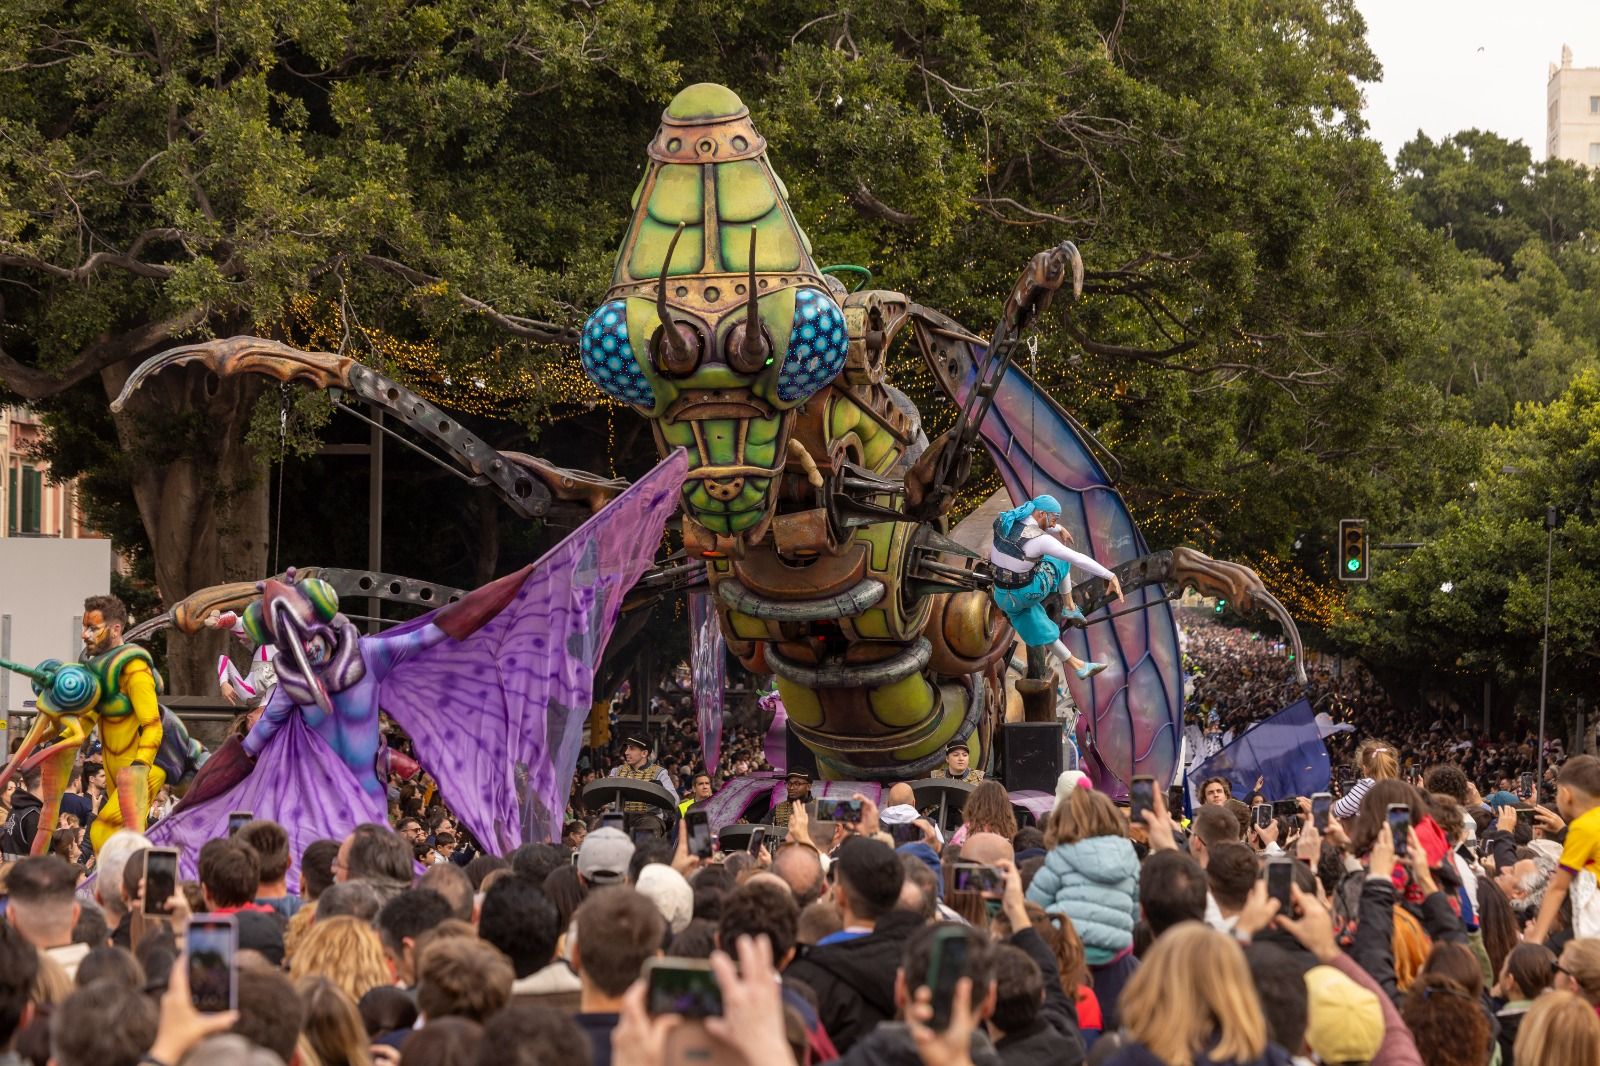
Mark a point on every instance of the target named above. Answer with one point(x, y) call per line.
point(1450, 65)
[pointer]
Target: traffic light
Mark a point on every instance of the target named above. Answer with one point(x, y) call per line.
point(1353, 549)
point(1221, 604)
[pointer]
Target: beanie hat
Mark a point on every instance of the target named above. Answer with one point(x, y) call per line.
point(1069, 780)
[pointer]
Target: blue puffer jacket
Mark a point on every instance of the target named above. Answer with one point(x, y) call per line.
point(1094, 882)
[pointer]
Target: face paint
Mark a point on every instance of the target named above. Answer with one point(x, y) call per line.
point(96, 633)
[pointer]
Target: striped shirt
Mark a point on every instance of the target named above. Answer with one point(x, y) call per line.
point(1349, 805)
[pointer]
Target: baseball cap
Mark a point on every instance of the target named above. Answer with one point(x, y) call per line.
point(801, 774)
point(1344, 1020)
point(957, 745)
point(666, 888)
point(604, 855)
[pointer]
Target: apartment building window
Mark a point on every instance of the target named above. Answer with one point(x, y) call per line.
point(1594, 105)
point(1594, 155)
point(27, 501)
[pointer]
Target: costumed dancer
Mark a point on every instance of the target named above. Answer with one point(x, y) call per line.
point(250, 689)
point(1030, 564)
point(797, 789)
point(130, 718)
point(638, 766)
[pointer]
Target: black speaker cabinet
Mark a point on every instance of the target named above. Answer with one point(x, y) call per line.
point(1032, 755)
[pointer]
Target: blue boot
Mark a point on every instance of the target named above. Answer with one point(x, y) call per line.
point(1088, 670)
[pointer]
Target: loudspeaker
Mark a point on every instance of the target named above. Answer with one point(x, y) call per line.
point(1032, 755)
point(799, 756)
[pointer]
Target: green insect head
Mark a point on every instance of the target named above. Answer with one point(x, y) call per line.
point(718, 323)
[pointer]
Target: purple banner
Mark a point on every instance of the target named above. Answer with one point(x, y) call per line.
point(708, 671)
point(775, 744)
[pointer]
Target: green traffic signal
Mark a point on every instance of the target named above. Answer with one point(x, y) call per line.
point(1353, 565)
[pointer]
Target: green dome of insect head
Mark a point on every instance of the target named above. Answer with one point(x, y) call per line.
point(705, 102)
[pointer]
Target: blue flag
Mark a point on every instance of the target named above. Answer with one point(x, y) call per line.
point(1286, 751)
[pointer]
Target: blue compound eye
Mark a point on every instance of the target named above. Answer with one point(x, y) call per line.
point(608, 358)
point(817, 346)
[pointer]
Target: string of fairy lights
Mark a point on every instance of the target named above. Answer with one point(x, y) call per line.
point(507, 380)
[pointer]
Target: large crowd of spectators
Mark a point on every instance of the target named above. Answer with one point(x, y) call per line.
point(1238, 677)
point(1444, 914)
point(1446, 937)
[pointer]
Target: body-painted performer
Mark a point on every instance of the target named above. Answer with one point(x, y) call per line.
point(1030, 564)
point(113, 688)
point(130, 718)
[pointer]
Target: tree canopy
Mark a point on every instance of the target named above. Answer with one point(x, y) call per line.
point(1279, 330)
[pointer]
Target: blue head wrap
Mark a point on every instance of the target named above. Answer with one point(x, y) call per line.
point(1045, 502)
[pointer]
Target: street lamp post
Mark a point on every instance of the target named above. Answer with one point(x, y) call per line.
point(1544, 672)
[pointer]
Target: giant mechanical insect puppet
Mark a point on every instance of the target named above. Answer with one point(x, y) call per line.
point(812, 497)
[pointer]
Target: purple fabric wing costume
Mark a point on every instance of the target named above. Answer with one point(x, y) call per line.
point(496, 717)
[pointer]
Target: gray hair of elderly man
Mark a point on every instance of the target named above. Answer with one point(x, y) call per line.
point(230, 1050)
point(119, 847)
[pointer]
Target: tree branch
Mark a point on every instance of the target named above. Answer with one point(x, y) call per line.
point(870, 205)
point(128, 260)
point(1158, 357)
point(530, 328)
point(35, 383)
point(988, 205)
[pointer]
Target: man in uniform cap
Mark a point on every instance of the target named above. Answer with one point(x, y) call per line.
point(799, 783)
point(638, 766)
point(956, 758)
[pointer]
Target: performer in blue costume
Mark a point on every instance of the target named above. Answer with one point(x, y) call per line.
point(1030, 563)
